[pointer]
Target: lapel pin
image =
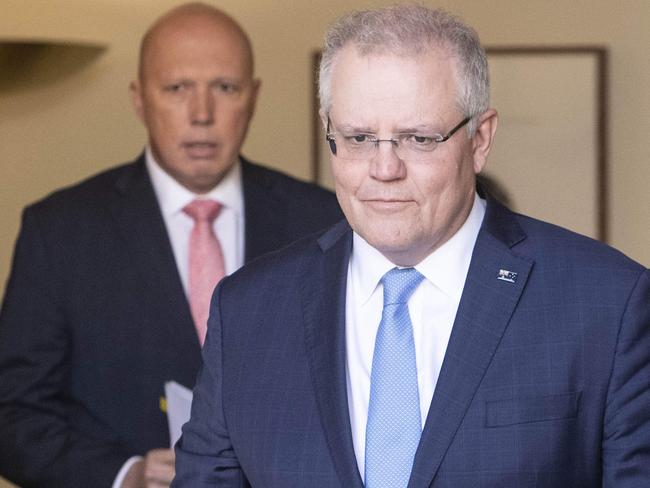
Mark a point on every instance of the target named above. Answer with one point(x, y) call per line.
point(505, 275)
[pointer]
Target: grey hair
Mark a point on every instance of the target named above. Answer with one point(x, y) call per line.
point(411, 30)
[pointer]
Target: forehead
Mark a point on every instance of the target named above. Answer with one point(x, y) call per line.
point(197, 44)
point(385, 86)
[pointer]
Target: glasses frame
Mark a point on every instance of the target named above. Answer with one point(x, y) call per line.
point(330, 137)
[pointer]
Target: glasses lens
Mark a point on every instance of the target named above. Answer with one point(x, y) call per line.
point(369, 150)
point(408, 147)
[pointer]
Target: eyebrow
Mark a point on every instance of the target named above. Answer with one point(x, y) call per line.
point(228, 79)
point(414, 129)
point(184, 78)
point(171, 80)
point(353, 128)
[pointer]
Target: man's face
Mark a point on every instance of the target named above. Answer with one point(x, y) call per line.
point(405, 209)
point(196, 97)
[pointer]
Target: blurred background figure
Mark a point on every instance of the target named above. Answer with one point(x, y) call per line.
point(111, 279)
point(495, 188)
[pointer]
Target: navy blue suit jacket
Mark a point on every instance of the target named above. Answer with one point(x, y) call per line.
point(95, 320)
point(545, 382)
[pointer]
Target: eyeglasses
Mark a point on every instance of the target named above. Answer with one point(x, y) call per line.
point(408, 147)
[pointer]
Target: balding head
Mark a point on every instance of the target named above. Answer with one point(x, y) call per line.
point(195, 93)
point(190, 16)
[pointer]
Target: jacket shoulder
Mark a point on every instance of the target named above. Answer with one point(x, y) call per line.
point(553, 240)
point(272, 178)
point(89, 194)
point(549, 244)
point(291, 260)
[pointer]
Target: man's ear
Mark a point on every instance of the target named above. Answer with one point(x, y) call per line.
point(257, 84)
point(483, 138)
point(135, 87)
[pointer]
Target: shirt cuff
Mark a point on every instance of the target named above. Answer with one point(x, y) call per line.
point(125, 469)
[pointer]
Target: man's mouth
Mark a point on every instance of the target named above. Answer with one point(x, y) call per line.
point(387, 204)
point(201, 149)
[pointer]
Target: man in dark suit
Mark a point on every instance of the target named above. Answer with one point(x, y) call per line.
point(96, 316)
point(435, 338)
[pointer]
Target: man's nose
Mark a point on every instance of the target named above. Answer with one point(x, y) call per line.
point(202, 107)
point(386, 164)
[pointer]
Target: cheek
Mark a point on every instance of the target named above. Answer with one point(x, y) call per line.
point(338, 173)
point(438, 189)
point(168, 135)
point(344, 187)
point(166, 120)
point(232, 125)
point(429, 183)
point(236, 112)
point(449, 175)
point(345, 182)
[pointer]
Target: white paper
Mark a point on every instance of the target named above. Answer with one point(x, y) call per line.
point(179, 403)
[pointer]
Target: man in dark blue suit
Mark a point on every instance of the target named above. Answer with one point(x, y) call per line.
point(96, 316)
point(435, 338)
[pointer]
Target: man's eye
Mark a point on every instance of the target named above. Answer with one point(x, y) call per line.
point(420, 140)
point(227, 87)
point(175, 87)
point(357, 138)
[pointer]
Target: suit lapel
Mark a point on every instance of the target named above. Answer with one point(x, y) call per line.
point(494, 284)
point(137, 214)
point(265, 226)
point(323, 299)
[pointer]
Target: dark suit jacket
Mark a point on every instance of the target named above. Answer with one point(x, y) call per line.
point(545, 382)
point(95, 320)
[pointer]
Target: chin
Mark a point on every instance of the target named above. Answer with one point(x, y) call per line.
point(385, 244)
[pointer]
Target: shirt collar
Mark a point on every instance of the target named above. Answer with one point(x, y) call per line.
point(172, 196)
point(367, 266)
point(446, 267)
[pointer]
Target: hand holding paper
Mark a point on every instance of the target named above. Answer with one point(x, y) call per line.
point(179, 403)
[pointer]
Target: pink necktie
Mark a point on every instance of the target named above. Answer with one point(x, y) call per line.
point(206, 261)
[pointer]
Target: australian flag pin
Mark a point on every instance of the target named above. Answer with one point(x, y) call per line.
point(505, 275)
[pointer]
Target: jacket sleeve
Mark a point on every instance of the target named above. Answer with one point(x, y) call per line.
point(204, 454)
point(626, 438)
point(39, 445)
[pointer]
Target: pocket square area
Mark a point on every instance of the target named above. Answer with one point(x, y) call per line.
point(531, 409)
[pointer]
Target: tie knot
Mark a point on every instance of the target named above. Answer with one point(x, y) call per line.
point(399, 284)
point(202, 210)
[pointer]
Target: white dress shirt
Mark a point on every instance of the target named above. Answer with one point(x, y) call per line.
point(228, 226)
point(432, 308)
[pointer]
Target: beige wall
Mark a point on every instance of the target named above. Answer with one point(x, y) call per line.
point(55, 132)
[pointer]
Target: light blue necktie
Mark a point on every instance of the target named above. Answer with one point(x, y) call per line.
point(394, 426)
